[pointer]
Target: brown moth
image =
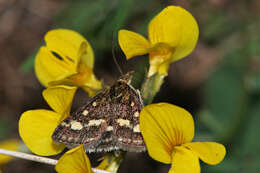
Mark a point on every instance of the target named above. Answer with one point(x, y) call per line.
point(110, 121)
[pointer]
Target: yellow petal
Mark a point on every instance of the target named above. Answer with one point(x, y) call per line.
point(61, 56)
point(60, 98)
point(164, 126)
point(132, 44)
point(209, 152)
point(69, 43)
point(87, 54)
point(159, 64)
point(36, 128)
point(184, 161)
point(86, 77)
point(92, 85)
point(176, 27)
point(75, 160)
point(11, 144)
point(50, 68)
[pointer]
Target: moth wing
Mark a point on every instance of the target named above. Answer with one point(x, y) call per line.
point(128, 104)
point(82, 127)
point(110, 121)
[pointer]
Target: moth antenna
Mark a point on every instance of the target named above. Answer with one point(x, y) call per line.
point(114, 56)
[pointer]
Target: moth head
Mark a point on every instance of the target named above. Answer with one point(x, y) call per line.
point(127, 78)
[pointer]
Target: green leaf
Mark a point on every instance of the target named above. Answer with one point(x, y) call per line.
point(228, 165)
point(251, 141)
point(28, 64)
point(226, 98)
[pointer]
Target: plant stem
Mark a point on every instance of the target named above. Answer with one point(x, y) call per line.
point(151, 87)
point(38, 159)
point(28, 157)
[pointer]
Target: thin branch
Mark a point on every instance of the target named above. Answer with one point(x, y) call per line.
point(39, 159)
point(28, 157)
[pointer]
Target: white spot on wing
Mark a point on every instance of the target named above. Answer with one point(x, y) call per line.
point(123, 122)
point(89, 139)
point(94, 104)
point(109, 128)
point(136, 128)
point(95, 122)
point(76, 125)
point(138, 141)
point(85, 112)
point(136, 114)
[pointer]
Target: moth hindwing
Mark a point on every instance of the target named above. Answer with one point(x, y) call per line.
point(110, 121)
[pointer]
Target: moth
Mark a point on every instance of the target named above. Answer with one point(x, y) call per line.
point(108, 122)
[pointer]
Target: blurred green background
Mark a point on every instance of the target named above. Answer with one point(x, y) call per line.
point(219, 83)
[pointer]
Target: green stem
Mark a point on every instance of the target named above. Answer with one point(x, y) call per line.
point(151, 87)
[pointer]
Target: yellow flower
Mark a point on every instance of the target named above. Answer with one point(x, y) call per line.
point(11, 144)
point(168, 131)
point(74, 160)
point(36, 126)
point(66, 59)
point(173, 34)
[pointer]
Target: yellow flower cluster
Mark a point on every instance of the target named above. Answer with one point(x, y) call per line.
point(66, 63)
point(173, 34)
point(168, 131)
point(37, 126)
point(67, 59)
point(63, 65)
